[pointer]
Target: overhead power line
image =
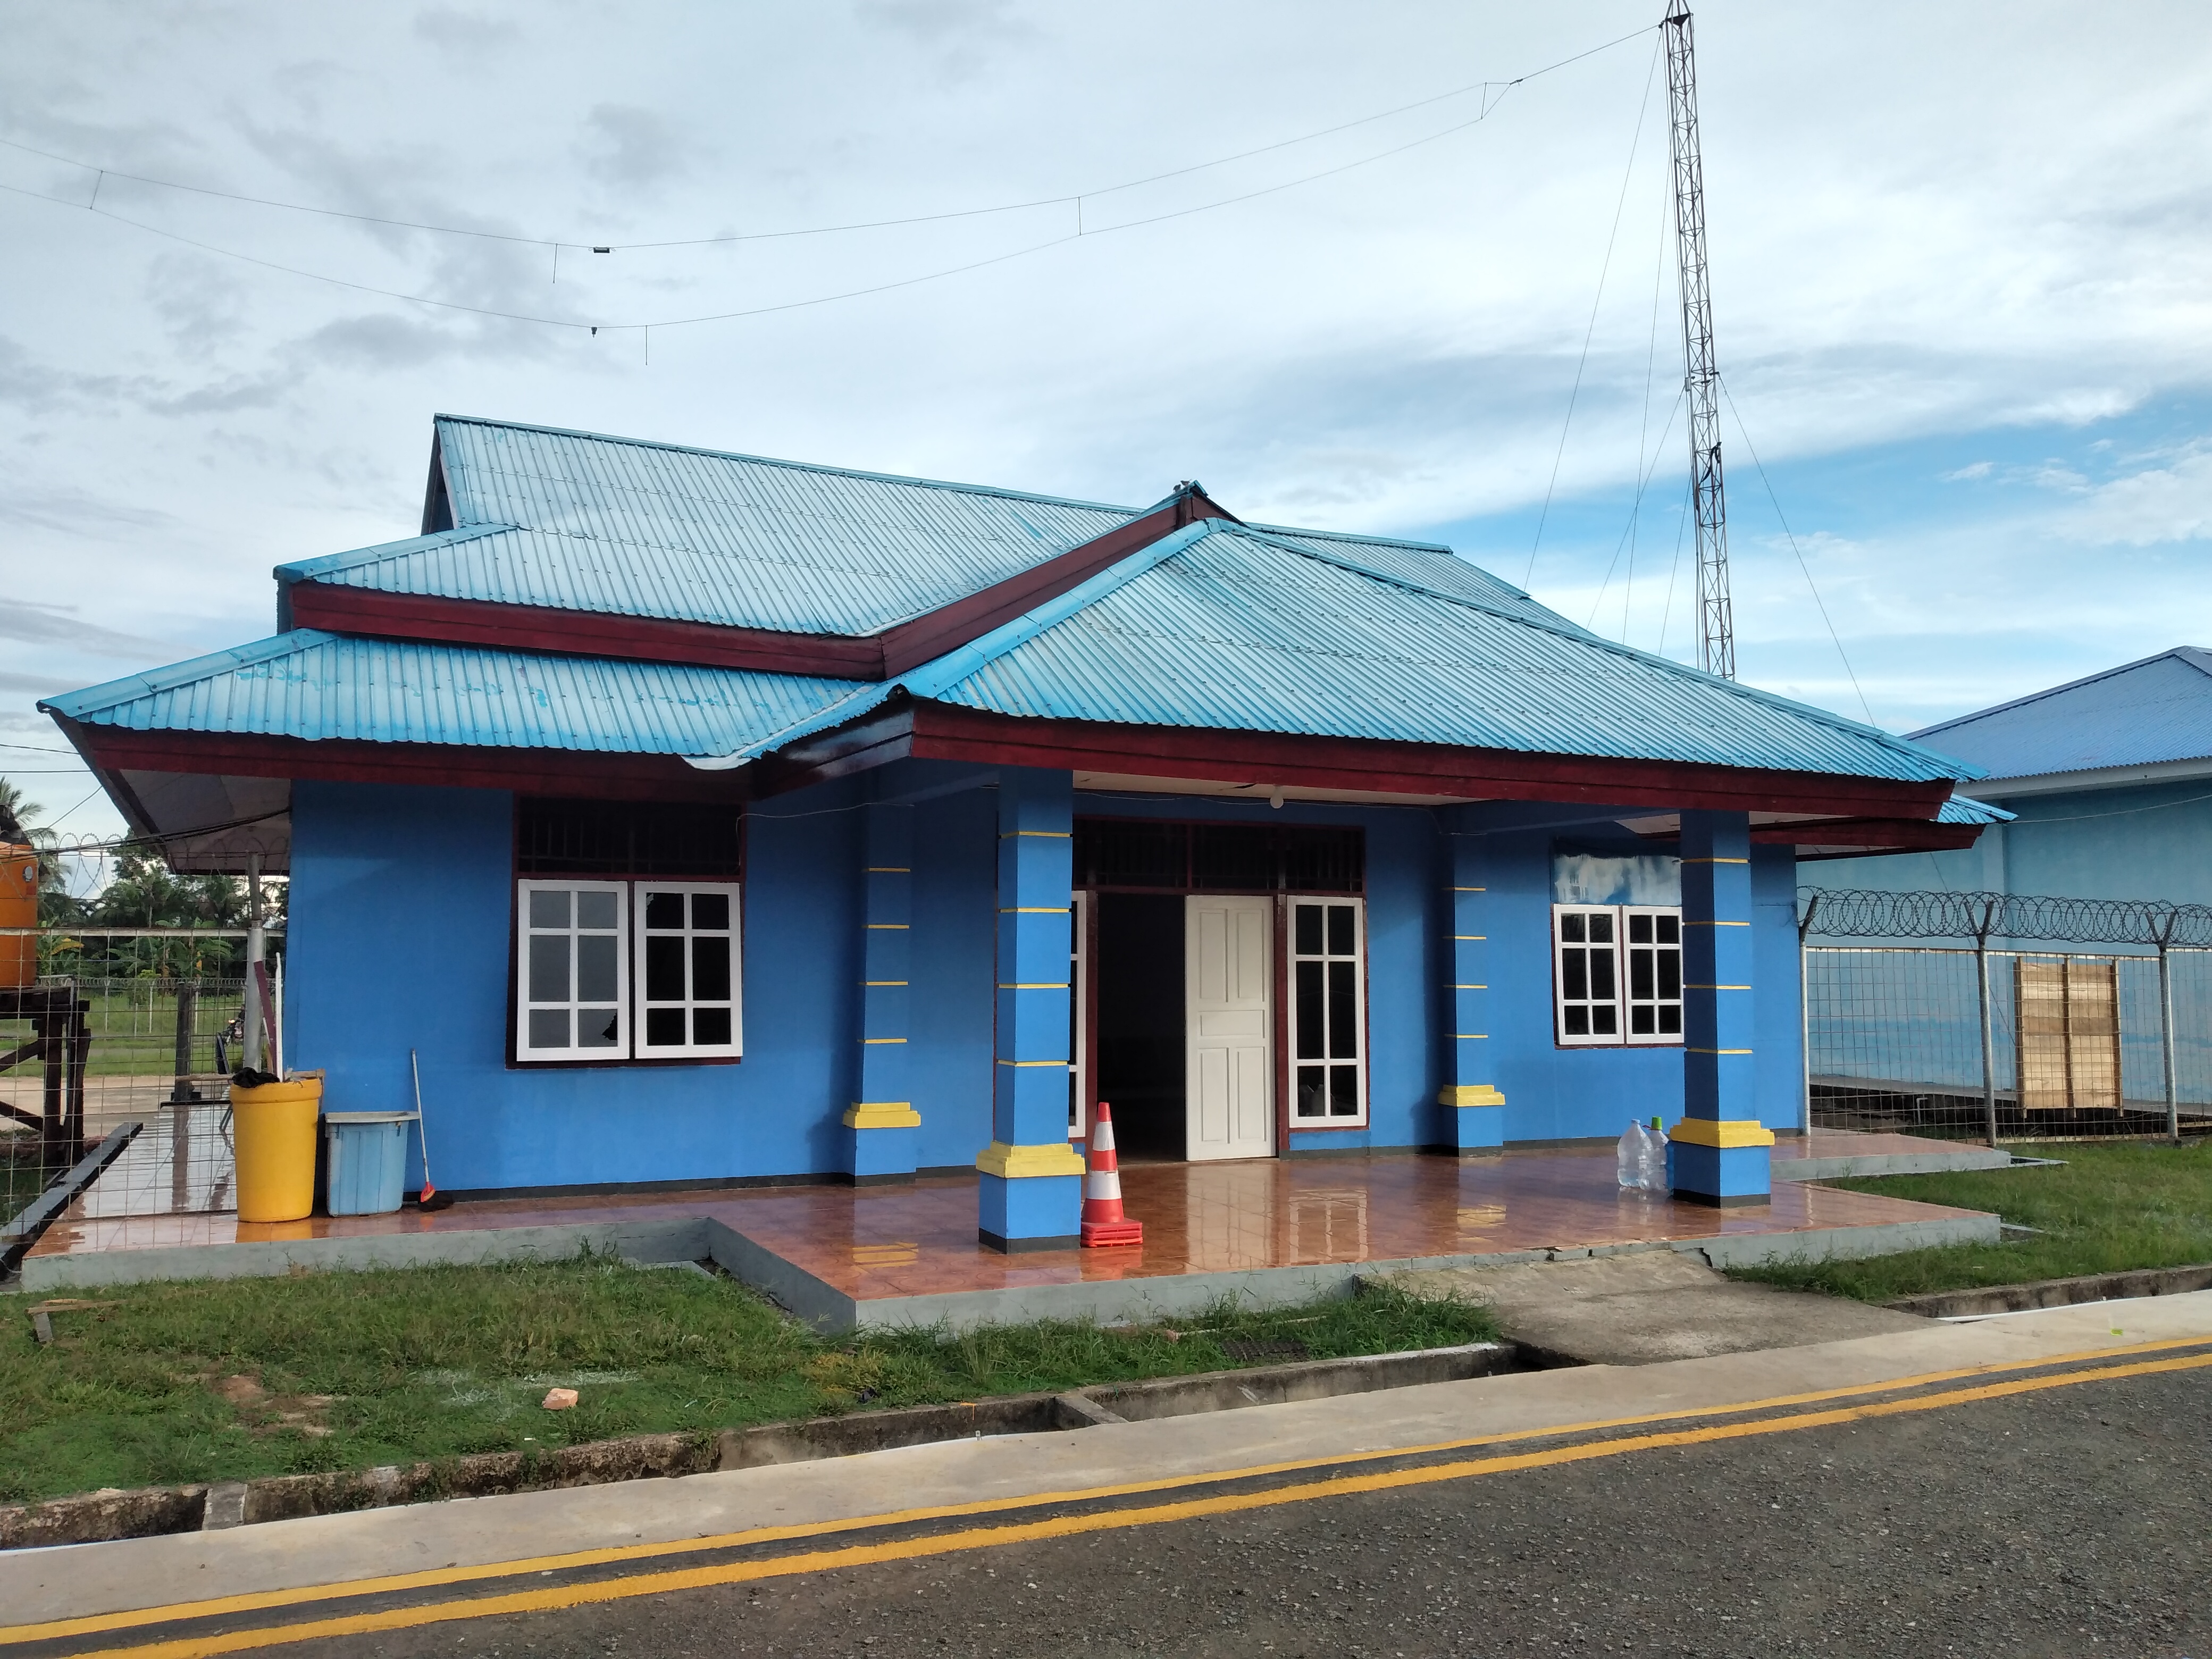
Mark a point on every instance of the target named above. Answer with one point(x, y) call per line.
point(101, 171)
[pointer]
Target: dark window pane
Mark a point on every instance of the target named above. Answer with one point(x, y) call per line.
point(1639, 930)
point(1344, 1011)
point(1639, 1022)
point(549, 1028)
point(1601, 963)
point(664, 910)
point(1571, 930)
point(1232, 858)
point(1574, 976)
point(598, 911)
point(1578, 1021)
point(1602, 1020)
point(1670, 1020)
point(1670, 974)
point(710, 969)
point(1670, 930)
point(596, 964)
point(548, 909)
point(710, 1027)
point(598, 1028)
point(615, 838)
point(1601, 927)
point(663, 1028)
point(710, 912)
point(549, 969)
point(664, 970)
point(1313, 1092)
point(1309, 992)
point(1639, 974)
point(1341, 918)
point(1309, 929)
point(1344, 1091)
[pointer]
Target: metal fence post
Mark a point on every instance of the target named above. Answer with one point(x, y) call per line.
point(1805, 1028)
point(1989, 1046)
point(2165, 1041)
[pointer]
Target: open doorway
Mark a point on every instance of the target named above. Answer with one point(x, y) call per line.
point(1139, 973)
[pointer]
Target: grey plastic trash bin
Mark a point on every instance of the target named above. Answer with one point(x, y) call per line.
point(367, 1161)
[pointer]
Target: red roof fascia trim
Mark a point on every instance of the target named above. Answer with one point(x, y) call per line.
point(580, 633)
point(945, 733)
point(1913, 835)
point(929, 636)
point(346, 610)
point(346, 760)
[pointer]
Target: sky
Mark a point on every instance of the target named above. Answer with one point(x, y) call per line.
point(1959, 261)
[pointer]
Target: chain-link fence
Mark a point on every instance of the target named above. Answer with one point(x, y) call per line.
point(1998, 1040)
point(142, 1027)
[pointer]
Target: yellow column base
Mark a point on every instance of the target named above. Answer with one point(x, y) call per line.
point(1015, 1163)
point(1478, 1094)
point(1722, 1131)
point(882, 1114)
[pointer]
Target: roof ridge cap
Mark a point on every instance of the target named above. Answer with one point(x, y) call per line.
point(1565, 629)
point(796, 466)
point(2071, 685)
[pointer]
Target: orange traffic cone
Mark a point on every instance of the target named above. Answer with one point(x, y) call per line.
point(1103, 1223)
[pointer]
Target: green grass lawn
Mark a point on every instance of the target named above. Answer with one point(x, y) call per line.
point(235, 1378)
point(2112, 1207)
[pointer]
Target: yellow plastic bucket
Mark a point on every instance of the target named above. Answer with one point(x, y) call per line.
point(274, 1135)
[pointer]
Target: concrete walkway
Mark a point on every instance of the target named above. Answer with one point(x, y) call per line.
point(1651, 1306)
point(480, 1539)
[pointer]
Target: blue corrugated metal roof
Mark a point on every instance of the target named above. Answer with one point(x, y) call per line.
point(1964, 809)
point(577, 521)
point(2140, 713)
point(1221, 627)
point(311, 684)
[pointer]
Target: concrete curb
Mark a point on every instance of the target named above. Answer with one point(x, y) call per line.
point(1890, 1164)
point(100, 1517)
point(2056, 1293)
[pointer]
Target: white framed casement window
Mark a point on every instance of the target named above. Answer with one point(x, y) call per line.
point(1652, 953)
point(1617, 975)
point(572, 992)
point(688, 969)
point(1328, 1013)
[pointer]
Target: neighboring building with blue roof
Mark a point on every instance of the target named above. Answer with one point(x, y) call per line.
point(699, 818)
point(2107, 782)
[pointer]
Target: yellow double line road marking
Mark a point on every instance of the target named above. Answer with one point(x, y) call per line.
point(553, 1598)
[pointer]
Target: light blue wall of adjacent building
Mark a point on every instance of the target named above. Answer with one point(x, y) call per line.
point(402, 920)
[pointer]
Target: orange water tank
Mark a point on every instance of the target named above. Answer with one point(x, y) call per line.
point(18, 907)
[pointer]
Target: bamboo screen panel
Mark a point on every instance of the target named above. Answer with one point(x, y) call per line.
point(2067, 1022)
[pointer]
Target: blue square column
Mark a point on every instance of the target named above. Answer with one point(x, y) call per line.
point(1719, 1154)
point(1476, 1108)
point(1031, 1197)
point(882, 1130)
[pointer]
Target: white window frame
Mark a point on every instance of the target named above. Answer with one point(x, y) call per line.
point(1630, 1002)
point(524, 1051)
point(642, 889)
point(1620, 1002)
point(1292, 957)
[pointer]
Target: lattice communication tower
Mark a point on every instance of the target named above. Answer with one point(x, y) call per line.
point(1700, 375)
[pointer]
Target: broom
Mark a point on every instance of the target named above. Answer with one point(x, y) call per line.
point(430, 1197)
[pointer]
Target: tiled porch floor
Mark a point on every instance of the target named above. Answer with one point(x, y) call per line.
point(892, 1242)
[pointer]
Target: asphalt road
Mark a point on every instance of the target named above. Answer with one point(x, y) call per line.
point(2072, 1521)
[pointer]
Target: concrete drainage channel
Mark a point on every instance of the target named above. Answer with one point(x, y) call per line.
point(150, 1512)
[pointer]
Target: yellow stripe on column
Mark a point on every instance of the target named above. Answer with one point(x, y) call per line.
point(1722, 1131)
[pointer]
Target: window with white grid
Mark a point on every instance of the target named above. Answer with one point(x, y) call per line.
point(572, 992)
point(1328, 1013)
point(687, 970)
point(1617, 975)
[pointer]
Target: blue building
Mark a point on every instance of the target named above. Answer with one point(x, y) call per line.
point(705, 819)
point(2108, 781)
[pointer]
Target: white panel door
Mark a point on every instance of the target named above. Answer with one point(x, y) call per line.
point(1229, 979)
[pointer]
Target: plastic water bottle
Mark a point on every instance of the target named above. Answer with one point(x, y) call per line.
point(1655, 1155)
point(1629, 1157)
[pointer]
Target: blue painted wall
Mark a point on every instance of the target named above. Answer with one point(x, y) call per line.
point(401, 928)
